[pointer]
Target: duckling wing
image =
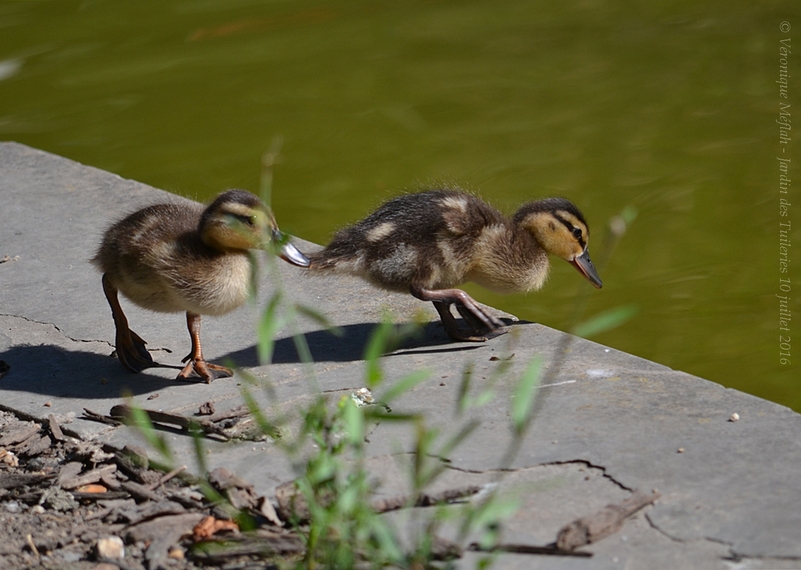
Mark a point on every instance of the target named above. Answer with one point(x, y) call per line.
point(148, 253)
point(425, 238)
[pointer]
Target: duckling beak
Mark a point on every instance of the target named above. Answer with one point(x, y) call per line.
point(586, 268)
point(289, 252)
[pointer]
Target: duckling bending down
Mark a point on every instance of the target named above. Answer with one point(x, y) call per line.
point(430, 242)
point(184, 257)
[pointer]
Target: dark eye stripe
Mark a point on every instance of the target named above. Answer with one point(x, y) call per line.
point(247, 220)
point(570, 227)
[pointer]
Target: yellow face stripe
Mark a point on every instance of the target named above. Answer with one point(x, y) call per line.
point(572, 223)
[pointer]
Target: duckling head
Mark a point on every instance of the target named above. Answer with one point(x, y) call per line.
point(237, 221)
point(561, 230)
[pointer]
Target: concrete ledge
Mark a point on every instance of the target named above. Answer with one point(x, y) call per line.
point(607, 422)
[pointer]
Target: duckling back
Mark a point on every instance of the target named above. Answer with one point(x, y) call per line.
point(434, 239)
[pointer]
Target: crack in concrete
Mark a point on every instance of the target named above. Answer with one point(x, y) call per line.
point(582, 462)
point(737, 557)
point(78, 340)
point(666, 534)
point(589, 464)
point(65, 335)
point(733, 556)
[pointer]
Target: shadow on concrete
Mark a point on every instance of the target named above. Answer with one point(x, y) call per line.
point(349, 345)
point(51, 370)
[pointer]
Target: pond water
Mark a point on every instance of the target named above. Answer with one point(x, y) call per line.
point(669, 110)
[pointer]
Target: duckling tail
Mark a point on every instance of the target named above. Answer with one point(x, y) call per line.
point(326, 260)
point(318, 262)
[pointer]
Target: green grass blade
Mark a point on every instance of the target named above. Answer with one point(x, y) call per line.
point(268, 326)
point(404, 385)
point(605, 321)
point(523, 398)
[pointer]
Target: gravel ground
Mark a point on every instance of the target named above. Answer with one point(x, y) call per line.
point(70, 504)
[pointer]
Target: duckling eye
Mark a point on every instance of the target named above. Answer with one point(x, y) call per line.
point(577, 233)
point(247, 220)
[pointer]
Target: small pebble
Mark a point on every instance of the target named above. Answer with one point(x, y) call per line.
point(9, 458)
point(110, 548)
point(362, 397)
point(12, 507)
point(734, 417)
point(680, 450)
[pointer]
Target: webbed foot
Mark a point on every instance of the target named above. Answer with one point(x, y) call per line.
point(129, 346)
point(482, 325)
point(132, 352)
point(205, 370)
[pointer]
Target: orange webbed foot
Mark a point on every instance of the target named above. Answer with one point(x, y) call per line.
point(132, 352)
point(205, 370)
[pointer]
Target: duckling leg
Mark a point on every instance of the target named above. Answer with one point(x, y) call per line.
point(477, 324)
point(196, 363)
point(483, 326)
point(452, 327)
point(130, 347)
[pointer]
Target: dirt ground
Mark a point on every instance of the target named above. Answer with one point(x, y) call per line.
point(70, 504)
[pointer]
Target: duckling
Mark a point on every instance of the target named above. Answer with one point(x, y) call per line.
point(184, 257)
point(429, 242)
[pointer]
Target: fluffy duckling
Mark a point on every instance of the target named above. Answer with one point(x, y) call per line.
point(184, 257)
point(429, 242)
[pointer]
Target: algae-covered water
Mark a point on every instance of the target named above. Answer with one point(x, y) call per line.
point(671, 110)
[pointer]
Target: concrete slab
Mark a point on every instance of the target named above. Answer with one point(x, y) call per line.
point(606, 422)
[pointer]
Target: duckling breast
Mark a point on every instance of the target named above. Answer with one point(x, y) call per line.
point(216, 287)
point(163, 284)
point(507, 261)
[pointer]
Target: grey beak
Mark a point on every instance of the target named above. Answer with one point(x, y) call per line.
point(289, 252)
point(587, 269)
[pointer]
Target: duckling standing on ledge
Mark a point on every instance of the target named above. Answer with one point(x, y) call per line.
point(182, 257)
point(430, 242)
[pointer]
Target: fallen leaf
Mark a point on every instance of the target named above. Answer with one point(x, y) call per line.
point(210, 526)
point(92, 488)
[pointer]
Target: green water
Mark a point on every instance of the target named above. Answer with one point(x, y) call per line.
point(669, 108)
